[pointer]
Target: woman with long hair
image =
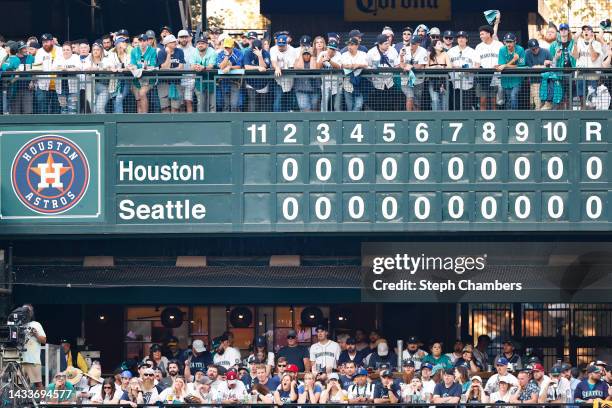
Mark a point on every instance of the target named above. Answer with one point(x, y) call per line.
point(119, 61)
point(503, 394)
point(438, 86)
point(286, 392)
point(175, 394)
point(475, 392)
point(462, 378)
point(309, 392)
point(413, 391)
point(261, 394)
point(133, 396)
point(159, 361)
point(318, 46)
point(99, 63)
point(109, 395)
point(333, 392)
point(261, 353)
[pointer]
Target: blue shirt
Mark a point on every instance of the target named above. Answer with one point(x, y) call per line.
point(249, 58)
point(381, 391)
point(178, 57)
point(586, 391)
point(235, 58)
point(532, 59)
point(453, 391)
point(272, 383)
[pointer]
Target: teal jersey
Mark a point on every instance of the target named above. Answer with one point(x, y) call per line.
point(143, 60)
point(508, 81)
point(442, 360)
point(11, 64)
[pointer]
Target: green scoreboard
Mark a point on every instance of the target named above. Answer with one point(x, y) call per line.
point(318, 172)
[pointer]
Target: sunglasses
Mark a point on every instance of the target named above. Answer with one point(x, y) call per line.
point(449, 38)
point(148, 375)
point(435, 36)
point(291, 337)
point(106, 387)
point(282, 365)
point(406, 33)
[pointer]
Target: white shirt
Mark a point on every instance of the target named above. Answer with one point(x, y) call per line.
point(269, 360)
point(543, 384)
point(493, 383)
point(284, 59)
point(331, 82)
point(383, 80)
point(429, 386)
point(367, 391)
point(489, 53)
point(151, 396)
point(324, 355)
point(32, 346)
point(229, 358)
point(360, 58)
point(458, 58)
point(496, 396)
point(72, 63)
point(416, 357)
point(562, 390)
point(420, 57)
point(190, 53)
point(584, 55)
point(238, 391)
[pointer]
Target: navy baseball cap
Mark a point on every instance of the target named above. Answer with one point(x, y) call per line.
point(351, 340)
point(46, 37)
point(251, 35)
point(150, 34)
point(533, 43)
point(333, 44)
point(305, 40)
point(143, 37)
point(448, 34)
point(462, 34)
point(260, 342)
point(564, 26)
point(381, 39)
point(415, 39)
point(123, 32)
point(386, 373)
point(281, 40)
point(502, 361)
point(257, 44)
point(353, 41)
point(509, 37)
point(412, 340)
point(555, 370)
point(355, 33)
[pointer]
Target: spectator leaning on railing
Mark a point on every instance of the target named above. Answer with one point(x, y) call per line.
point(537, 57)
point(169, 90)
point(142, 58)
point(511, 56)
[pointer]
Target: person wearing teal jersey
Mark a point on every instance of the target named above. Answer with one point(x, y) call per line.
point(60, 391)
point(143, 57)
point(205, 59)
point(436, 357)
point(511, 56)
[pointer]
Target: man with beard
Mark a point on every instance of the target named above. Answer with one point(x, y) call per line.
point(225, 355)
point(360, 338)
point(592, 387)
point(213, 374)
point(173, 372)
point(233, 390)
point(558, 389)
point(457, 351)
point(413, 352)
point(350, 354)
point(188, 81)
point(198, 358)
point(541, 380)
point(149, 391)
point(45, 60)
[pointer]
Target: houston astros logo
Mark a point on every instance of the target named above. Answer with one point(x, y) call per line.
point(50, 174)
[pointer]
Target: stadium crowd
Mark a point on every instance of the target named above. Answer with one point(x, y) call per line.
point(411, 59)
point(354, 369)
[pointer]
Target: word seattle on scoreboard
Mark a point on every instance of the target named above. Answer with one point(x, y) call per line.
point(491, 171)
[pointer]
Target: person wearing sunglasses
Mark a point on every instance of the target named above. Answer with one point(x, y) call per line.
point(448, 38)
point(109, 395)
point(406, 37)
point(294, 353)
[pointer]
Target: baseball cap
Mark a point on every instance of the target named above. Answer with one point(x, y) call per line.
point(408, 363)
point(203, 38)
point(427, 365)
point(260, 341)
point(333, 35)
point(412, 340)
point(434, 31)
point(34, 44)
point(466, 349)
point(307, 50)
point(321, 327)
point(504, 379)
point(436, 368)
point(386, 373)
point(381, 38)
point(407, 28)
point(415, 39)
point(198, 346)
point(448, 33)
point(292, 368)
point(155, 347)
point(165, 28)
point(123, 32)
point(46, 37)
point(601, 363)
point(462, 34)
point(333, 44)
point(228, 43)
point(353, 41)
point(21, 45)
point(382, 349)
point(593, 369)
point(555, 370)
point(257, 44)
point(184, 33)
point(565, 366)
point(281, 40)
point(509, 37)
point(305, 40)
point(351, 340)
point(333, 376)
point(533, 43)
point(291, 333)
point(143, 37)
point(503, 361)
point(169, 39)
point(508, 341)
point(150, 34)
point(590, 27)
point(355, 33)
point(205, 380)
point(251, 35)
point(476, 378)
point(384, 366)
point(387, 30)
point(145, 363)
point(564, 26)
point(126, 374)
point(538, 367)
point(231, 375)
point(361, 371)
point(120, 40)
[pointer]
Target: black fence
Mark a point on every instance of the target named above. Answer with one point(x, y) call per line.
point(86, 92)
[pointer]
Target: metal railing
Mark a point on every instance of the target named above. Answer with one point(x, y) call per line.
point(85, 92)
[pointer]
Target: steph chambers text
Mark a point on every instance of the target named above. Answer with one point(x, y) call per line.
point(429, 286)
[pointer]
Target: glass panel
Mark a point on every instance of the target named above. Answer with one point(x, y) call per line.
point(243, 338)
point(199, 322)
point(138, 331)
point(265, 320)
point(283, 316)
point(217, 321)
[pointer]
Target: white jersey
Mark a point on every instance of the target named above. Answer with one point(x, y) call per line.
point(238, 391)
point(324, 356)
point(463, 58)
point(416, 357)
point(420, 57)
point(561, 390)
point(284, 59)
point(429, 386)
point(355, 391)
point(228, 359)
point(375, 60)
point(493, 383)
point(488, 53)
point(584, 57)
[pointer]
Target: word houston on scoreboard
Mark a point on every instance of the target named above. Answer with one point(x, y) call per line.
point(491, 171)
